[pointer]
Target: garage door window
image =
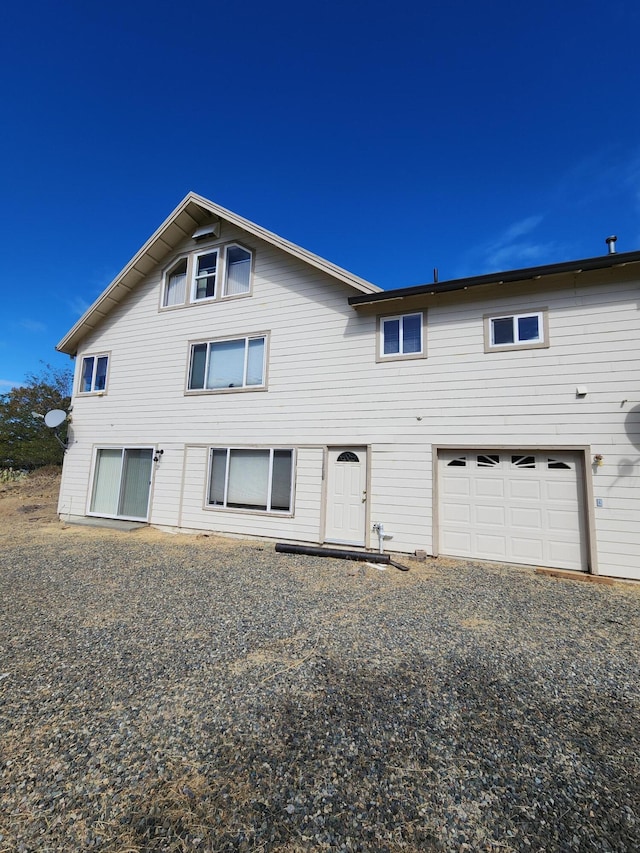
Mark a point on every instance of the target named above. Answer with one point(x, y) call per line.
point(523, 461)
point(487, 460)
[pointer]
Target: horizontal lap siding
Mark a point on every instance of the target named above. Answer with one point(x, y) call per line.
point(324, 388)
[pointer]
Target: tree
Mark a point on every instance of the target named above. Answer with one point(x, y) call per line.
point(25, 441)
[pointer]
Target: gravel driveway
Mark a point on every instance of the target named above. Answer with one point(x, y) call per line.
point(166, 693)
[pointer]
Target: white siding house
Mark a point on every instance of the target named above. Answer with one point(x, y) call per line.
point(230, 381)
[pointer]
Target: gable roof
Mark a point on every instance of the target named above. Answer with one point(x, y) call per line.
point(614, 259)
point(193, 211)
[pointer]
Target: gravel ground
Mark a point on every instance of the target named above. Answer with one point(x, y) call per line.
point(166, 693)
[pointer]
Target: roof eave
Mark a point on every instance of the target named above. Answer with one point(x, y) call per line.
point(616, 259)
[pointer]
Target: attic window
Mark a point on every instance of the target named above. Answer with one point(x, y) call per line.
point(237, 272)
point(204, 283)
point(175, 287)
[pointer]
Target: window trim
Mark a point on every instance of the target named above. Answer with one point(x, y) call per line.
point(543, 330)
point(222, 267)
point(400, 356)
point(242, 389)
point(99, 392)
point(208, 506)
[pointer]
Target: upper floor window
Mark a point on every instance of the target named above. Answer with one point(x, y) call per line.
point(237, 271)
point(401, 336)
point(204, 282)
point(175, 291)
point(516, 331)
point(93, 377)
point(217, 273)
point(228, 363)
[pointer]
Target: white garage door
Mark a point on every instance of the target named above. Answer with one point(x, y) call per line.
point(513, 506)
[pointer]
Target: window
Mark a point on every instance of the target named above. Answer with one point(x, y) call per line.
point(215, 274)
point(523, 461)
point(460, 462)
point(487, 460)
point(516, 331)
point(94, 374)
point(237, 271)
point(401, 336)
point(229, 363)
point(175, 288)
point(251, 479)
point(204, 282)
point(347, 456)
point(555, 464)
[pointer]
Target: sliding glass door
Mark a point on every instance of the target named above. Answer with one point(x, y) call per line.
point(121, 482)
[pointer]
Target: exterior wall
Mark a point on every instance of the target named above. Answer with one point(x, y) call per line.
point(325, 388)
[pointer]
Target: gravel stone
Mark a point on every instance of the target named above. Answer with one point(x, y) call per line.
point(183, 693)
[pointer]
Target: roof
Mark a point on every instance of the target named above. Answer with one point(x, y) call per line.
point(193, 210)
point(616, 259)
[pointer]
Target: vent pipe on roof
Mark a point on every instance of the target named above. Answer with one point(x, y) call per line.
point(611, 243)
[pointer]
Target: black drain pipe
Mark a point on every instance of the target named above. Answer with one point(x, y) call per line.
point(336, 553)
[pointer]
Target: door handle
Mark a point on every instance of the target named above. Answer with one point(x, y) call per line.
point(364, 495)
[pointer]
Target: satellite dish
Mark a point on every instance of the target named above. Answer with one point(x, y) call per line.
point(54, 418)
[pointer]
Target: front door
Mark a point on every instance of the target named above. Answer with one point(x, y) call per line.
point(346, 515)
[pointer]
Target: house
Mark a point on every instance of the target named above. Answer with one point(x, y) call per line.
point(231, 381)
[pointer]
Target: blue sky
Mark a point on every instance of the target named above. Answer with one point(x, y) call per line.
point(389, 138)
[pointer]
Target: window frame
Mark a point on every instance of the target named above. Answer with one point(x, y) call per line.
point(166, 275)
point(381, 356)
point(224, 507)
point(225, 275)
point(221, 250)
point(194, 277)
point(542, 342)
point(265, 335)
point(93, 391)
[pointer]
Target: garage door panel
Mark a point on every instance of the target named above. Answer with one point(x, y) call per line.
point(529, 517)
point(488, 515)
point(491, 547)
point(456, 486)
point(564, 554)
point(485, 487)
point(456, 512)
point(526, 550)
point(516, 506)
point(561, 492)
point(563, 521)
point(456, 542)
point(524, 490)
